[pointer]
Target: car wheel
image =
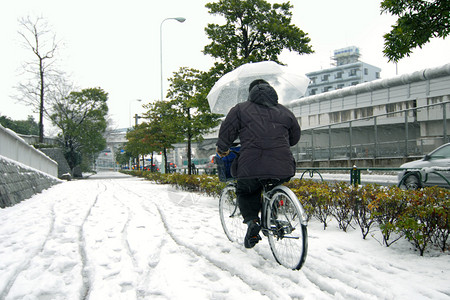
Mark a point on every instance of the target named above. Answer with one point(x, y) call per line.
point(410, 181)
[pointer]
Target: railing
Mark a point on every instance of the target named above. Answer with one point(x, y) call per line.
point(355, 173)
point(15, 148)
point(393, 134)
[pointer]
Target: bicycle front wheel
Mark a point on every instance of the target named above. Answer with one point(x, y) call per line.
point(230, 215)
point(287, 228)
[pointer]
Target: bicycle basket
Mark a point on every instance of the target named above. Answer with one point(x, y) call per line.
point(224, 164)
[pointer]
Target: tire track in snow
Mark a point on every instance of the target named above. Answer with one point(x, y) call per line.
point(349, 282)
point(126, 243)
point(256, 283)
point(314, 280)
point(272, 286)
point(152, 263)
point(127, 224)
point(284, 282)
point(26, 264)
point(85, 273)
point(278, 285)
point(124, 233)
point(145, 274)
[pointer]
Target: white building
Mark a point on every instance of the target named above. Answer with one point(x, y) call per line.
point(348, 71)
point(401, 117)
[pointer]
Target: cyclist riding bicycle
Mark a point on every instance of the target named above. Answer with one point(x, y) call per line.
point(266, 130)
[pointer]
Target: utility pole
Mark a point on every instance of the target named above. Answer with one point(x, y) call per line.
point(136, 117)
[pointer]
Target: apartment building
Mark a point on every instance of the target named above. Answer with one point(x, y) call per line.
point(348, 71)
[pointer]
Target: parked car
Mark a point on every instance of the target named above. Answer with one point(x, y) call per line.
point(152, 168)
point(210, 166)
point(433, 169)
point(171, 167)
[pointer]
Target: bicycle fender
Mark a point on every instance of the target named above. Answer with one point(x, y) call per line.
point(297, 203)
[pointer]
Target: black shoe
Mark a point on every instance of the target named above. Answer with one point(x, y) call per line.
point(252, 237)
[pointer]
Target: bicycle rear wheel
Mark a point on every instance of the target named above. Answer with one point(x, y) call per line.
point(287, 228)
point(230, 215)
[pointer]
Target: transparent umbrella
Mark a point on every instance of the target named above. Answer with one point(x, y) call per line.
point(232, 88)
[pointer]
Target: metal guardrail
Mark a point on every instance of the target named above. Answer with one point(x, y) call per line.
point(355, 173)
point(386, 135)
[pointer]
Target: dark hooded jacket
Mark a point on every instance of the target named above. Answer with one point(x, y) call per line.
point(266, 131)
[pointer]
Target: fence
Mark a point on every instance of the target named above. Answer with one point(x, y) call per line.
point(15, 148)
point(410, 132)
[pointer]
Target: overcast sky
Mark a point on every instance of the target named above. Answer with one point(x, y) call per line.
point(115, 44)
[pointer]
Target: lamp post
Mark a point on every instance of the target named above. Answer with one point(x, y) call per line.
point(129, 109)
point(129, 117)
point(179, 19)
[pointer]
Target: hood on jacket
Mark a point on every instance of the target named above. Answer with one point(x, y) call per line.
point(263, 94)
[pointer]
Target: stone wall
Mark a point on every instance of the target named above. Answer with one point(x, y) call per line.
point(19, 182)
point(57, 155)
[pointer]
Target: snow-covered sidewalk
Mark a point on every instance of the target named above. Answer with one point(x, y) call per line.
point(119, 237)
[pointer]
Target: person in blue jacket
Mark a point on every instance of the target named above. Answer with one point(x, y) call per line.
point(266, 130)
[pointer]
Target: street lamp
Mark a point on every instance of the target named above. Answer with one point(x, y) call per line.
point(129, 109)
point(179, 19)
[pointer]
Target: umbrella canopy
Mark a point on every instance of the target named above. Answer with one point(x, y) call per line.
point(232, 88)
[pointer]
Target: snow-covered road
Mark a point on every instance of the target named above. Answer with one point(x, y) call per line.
point(120, 237)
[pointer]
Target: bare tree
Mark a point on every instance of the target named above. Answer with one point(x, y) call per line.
point(42, 42)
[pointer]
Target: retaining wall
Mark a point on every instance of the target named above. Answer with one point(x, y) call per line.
point(19, 182)
point(14, 147)
point(24, 170)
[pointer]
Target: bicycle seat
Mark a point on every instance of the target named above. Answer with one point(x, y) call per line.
point(270, 183)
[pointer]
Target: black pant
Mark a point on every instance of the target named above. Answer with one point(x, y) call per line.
point(248, 192)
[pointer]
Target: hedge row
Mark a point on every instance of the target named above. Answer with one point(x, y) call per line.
point(206, 184)
point(422, 217)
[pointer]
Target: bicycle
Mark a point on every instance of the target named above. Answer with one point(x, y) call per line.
point(283, 222)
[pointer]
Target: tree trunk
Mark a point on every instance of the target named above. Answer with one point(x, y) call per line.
point(189, 138)
point(41, 98)
point(165, 160)
point(189, 154)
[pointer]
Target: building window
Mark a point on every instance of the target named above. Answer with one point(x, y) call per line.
point(313, 92)
point(355, 82)
point(327, 88)
point(325, 77)
point(377, 75)
point(338, 75)
point(366, 71)
point(363, 112)
point(335, 117)
point(313, 80)
point(346, 115)
point(352, 72)
point(340, 86)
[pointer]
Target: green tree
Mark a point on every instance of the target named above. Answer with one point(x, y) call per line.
point(122, 156)
point(82, 120)
point(139, 141)
point(418, 22)
point(255, 30)
point(189, 109)
point(161, 127)
point(27, 127)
